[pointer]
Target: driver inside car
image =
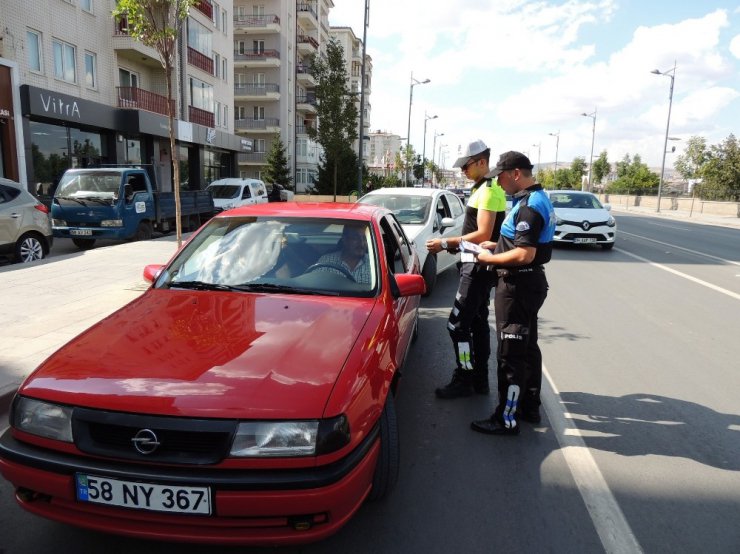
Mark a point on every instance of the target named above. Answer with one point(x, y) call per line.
point(352, 255)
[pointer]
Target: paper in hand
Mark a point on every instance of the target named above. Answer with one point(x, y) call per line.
point(471, 247)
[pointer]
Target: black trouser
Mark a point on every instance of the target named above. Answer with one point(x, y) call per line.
point(468, 322)
point(518, 299)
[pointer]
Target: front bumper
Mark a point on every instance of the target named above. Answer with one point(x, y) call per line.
point(250, 507)
point(575, 234)
point(95, 233)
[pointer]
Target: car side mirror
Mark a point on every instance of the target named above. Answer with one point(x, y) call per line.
point(447, 222)
point(608, 207)
point(152, 271)
point(407, 285)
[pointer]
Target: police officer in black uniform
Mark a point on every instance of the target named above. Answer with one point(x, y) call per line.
point(524, 246)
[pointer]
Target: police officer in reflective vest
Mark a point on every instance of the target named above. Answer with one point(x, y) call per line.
point(468, 321)
point(524, 246)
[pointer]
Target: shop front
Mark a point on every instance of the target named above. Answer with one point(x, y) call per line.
point(11, 166)
point(63, 132)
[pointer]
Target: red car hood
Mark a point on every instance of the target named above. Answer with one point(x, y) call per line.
point(208, 354)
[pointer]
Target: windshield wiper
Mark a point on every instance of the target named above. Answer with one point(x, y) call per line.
point(271, 287)
point(78, 200)
point(200, 285)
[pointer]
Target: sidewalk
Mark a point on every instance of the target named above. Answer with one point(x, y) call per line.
point(705, 219)
point(45, 304)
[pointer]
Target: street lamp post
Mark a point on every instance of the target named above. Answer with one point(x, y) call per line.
point(557, 144)
point(434, 146)
point(538, 155)
point(672, 74)
point(414, 82)
point(362, 100)
point(424, 147)
point(593, 135)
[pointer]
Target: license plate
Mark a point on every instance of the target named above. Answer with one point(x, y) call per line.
point(583, 240)
point(81, 232)
point(143, 496)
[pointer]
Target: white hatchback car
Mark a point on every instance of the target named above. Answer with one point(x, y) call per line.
point(582, 219)
point(25, 228)
point(233, 192)
point(424, 213)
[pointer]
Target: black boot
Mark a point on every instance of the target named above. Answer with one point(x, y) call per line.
point(493, 426)
point(480, 384)
point(461, 385)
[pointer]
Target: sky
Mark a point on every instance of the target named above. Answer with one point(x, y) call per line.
point(520, 74)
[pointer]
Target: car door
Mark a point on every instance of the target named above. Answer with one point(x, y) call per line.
point(400, 258)
point(449, 206)
point(11, 214)
point(247, 196)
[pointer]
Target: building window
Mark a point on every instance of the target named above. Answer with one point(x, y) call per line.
point(217, 115)
point(258, 112)
point(226, 117)
point(87, 5)
point(200, 38)
point(259, 146)
point(216, 15)
point(33, 41)
point(258, 46)
point(64, 61)
point(91, 70)
point(216, 63)
point(224, 70)
point(301, 147)
point(127, 78)
point(224, 21)
point(201, 95)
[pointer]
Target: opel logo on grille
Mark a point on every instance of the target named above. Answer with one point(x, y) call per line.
point(586, 225)
point(145, 441)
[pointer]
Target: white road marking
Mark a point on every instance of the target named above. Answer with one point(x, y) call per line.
point(609, 521)
point(682, 248)
point(681, 274)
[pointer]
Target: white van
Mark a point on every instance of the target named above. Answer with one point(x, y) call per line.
point(233, 192)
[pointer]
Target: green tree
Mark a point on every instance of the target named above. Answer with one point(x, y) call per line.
point(158, 24)
point(721, 173)
point(338, 173)
point(337, 118)
point(277, 170)
point(634, 177)
point(601, 168)
point(690, 164)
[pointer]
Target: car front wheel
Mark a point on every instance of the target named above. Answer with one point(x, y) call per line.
point(386, 472)
point(29, 248)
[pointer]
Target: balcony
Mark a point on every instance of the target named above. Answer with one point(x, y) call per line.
point(268, 91)
point(205, 7)
point(258, 158)
point(256, 24)
point(201, 61)
point(267, 125)
point(131, 49)
point(256, 60)
point(302, 129)
point(303, 75)
point(307, 45)
point(139, 99)
point(201, 117)
point(306, 103)
point(307, 17)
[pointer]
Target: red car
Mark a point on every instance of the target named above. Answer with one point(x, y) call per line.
point(246, 398)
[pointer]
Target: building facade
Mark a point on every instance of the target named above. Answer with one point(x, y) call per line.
point(90, 94)
point(383, 147)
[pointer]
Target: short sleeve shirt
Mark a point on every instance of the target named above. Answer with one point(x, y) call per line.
point(489, 196)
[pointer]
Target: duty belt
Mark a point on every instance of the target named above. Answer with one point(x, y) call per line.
point(510, 272)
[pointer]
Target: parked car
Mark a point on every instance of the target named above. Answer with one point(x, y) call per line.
point(247, 397)
point(582, 219)
point(424, 213)
point(279, 193)
point(25, 227)
point(233, 192)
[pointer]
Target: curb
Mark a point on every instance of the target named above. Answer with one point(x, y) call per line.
point(7, 392)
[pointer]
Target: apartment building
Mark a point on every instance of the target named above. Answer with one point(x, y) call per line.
point(352, 47)
point(83, 92)
point(381, 153)
point(273, 88)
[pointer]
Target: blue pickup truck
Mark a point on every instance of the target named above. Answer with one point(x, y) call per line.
point(120, 203)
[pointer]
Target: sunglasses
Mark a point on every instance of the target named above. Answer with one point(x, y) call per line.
point(469, 163)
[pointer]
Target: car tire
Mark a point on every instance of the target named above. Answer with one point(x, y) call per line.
point(30, 247)
point(429, 272)
point(389, 461)
point(84, 244)
point(143, 231)
point(607, 246)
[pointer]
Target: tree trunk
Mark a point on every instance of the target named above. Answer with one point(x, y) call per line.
point(335, 179)
point(174, 156)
